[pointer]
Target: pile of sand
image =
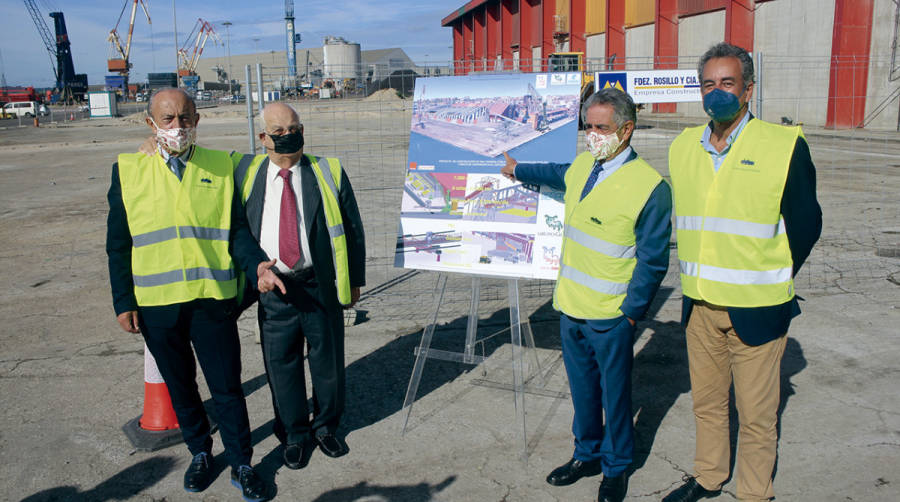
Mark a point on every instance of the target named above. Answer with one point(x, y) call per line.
point(384, 95)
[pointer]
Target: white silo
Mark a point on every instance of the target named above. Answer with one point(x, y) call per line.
point(342, 59)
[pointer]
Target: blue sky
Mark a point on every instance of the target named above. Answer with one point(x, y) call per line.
point(414, 26)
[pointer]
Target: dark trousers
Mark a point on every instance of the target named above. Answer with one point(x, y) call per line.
point(598, 364)
point(216, 343)
point(287, 323)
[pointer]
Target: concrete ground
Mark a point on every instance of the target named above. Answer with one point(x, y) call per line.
point(70, 378)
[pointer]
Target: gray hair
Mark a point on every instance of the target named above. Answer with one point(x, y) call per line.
point(161, 89)
point(723, 50)
point(623, 105)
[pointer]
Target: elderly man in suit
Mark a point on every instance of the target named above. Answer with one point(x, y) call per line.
point(175, 234)
point(302, 210)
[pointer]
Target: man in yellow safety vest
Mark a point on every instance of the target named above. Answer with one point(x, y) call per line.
point(176, 236)
point(615, 254)
point(302, 210)
point(746, 217)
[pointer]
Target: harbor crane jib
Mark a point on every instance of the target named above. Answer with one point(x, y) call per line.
point(189, 56)
point(119, 56)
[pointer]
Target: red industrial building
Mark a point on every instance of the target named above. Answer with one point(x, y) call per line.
point(518, 35)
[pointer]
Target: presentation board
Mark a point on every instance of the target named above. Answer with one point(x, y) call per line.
point(458, 213)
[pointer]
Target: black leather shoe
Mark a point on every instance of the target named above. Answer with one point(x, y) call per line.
point(296, 455)
point(690, 491)
point(198, 474)
point(572, 471)
point(252, 487)
point(331, 445)
point(613, 489)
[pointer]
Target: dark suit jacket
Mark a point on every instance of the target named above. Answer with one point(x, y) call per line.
point(803, 225)
point(317, 227)
point(243, 247)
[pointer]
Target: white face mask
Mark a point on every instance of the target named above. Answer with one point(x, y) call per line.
point(602, 146)
point(175, 140)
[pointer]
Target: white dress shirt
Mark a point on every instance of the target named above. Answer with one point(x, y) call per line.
point(271, 216)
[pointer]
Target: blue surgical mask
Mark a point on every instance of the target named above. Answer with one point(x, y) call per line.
point(721, 106)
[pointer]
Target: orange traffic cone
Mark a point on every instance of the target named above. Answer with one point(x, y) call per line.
point(157, 428)
point(158, 413)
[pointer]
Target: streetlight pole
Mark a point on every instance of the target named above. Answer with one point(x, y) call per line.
point(256, 48)
point(175, 30)
point(227, 25)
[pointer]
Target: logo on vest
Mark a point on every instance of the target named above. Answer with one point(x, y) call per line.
point(595, 220)
point(747, 162)
point(205, 180)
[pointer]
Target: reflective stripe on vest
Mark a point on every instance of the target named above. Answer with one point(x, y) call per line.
point(249, 166)
point(732, 243)
point(165, 234)
point(734, 276)
point(180, 229)
point(598, 253)
point(730, 226)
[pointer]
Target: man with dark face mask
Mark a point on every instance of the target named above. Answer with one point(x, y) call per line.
point(302, 210)
point(746, 218)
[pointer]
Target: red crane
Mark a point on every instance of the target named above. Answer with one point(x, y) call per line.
point(188, 57)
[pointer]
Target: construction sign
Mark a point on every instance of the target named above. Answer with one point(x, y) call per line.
point(653, 86)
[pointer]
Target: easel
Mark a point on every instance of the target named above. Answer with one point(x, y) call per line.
point(468, 356)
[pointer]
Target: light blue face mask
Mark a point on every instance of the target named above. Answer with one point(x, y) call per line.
point(721, 106)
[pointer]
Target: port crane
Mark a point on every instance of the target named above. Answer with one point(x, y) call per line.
point(70, 85)
point(118, 61)
point(188, 56)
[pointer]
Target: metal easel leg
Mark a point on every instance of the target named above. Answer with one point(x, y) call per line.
point(422, 352)
point(517, 361)
point(472, 326)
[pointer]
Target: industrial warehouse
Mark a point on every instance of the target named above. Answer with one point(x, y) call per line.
point(456, 383)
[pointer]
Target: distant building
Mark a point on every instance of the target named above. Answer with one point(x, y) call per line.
point(375, 65)
point(834, 63)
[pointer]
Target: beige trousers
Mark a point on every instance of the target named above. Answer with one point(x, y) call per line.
point(717, 357)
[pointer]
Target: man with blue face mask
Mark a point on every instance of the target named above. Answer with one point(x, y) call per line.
point(746, 218)
point(614, 257)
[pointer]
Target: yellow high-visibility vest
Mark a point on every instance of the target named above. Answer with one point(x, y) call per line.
point(245, 170)
point(598, 252)
point(179, 229)
point(732, 245)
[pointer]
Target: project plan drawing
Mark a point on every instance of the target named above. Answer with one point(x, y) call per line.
point(458, 213)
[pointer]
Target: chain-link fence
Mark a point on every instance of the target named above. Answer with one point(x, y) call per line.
point(858, 175)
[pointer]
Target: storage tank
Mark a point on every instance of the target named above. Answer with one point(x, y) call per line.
point(342, 59)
